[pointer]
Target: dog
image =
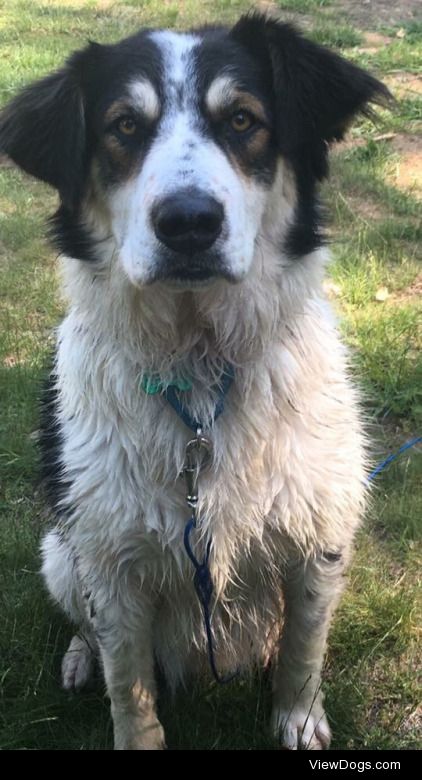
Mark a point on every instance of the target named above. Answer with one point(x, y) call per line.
point(187, 167)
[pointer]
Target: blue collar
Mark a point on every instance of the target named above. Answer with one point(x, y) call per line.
point(171, 395)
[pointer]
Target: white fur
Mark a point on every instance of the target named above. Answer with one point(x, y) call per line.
point(145, 97)
point(285, 482)
point(220, 92)
point(180, 157)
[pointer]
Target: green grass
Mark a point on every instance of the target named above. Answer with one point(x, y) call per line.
point(303, 6)
point(402, 54)
point(376, 233)
point(340, 36)
point(388, 359)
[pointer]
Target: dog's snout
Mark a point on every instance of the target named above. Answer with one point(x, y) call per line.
point(188, 222)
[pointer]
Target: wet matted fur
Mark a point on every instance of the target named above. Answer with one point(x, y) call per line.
point(187, 166)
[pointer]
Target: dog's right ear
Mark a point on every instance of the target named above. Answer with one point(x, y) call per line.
point(43, 130)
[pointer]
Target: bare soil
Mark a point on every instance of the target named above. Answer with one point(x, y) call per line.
point(414, 290)
point(371, 14)
point(408, 172)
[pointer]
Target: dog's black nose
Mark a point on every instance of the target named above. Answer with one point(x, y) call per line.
point(188, 221)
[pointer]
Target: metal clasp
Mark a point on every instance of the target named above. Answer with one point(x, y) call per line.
point(197, 455)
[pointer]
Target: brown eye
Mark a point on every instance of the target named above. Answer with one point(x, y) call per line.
point(242, 121)
point(126, 125)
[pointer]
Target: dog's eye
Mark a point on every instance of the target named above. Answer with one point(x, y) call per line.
point(126, 125)
point(242, 121)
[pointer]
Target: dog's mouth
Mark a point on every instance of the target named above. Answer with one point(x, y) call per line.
point(190, 279)
point(192, 272)
point(195, 278)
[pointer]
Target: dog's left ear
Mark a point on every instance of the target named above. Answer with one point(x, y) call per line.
point(43, 131)
point(316, 92)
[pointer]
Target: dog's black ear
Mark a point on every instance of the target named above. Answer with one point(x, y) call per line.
point(43, 131)
point(317, 93)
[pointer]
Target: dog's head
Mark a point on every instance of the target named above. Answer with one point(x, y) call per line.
point(174, 144)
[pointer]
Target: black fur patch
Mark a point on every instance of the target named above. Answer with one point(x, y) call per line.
point(316, 94)
point(71, 237)
point(51, 449)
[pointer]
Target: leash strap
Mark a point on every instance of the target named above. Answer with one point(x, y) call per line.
point(197, 453)
point(381, 466)
point(204, 587)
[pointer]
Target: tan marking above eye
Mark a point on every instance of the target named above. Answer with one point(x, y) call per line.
point(241, 121)
point(224, 98)
point(126, 125)
point(144, 98)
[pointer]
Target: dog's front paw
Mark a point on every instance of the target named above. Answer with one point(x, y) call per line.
point(77, 665)
point(301, 727)
point(133, 735)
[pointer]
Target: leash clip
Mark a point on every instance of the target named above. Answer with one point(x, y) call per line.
point(197, 455)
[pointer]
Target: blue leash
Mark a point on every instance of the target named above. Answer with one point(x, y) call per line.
point(203, 585)
point(202, 579)
point(381, 466)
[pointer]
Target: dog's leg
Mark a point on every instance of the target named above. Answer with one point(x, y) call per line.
point(311, 592)
point(125, 643)
point(123, 640)
point(61, 577)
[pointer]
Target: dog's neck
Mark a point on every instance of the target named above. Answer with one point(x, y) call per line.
point(192, 334)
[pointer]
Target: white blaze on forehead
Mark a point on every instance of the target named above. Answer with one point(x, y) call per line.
point(145, 97)
point(221, 92)
point(175, 49)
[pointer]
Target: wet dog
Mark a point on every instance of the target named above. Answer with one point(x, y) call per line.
point(187, 166)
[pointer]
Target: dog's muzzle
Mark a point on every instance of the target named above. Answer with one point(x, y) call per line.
point(188, 223)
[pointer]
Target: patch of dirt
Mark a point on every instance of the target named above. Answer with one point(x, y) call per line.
point(348, 143)
point(414, 290)
point(5, 162)
point(408, 172)
point(376, 39)
point(365, 208)
point(268, 7)
point(412, 723)
point(10, 361)
point(370, 14)
point(403, 84)
point(373, 42)
point(331, 289)
point(407, 144)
